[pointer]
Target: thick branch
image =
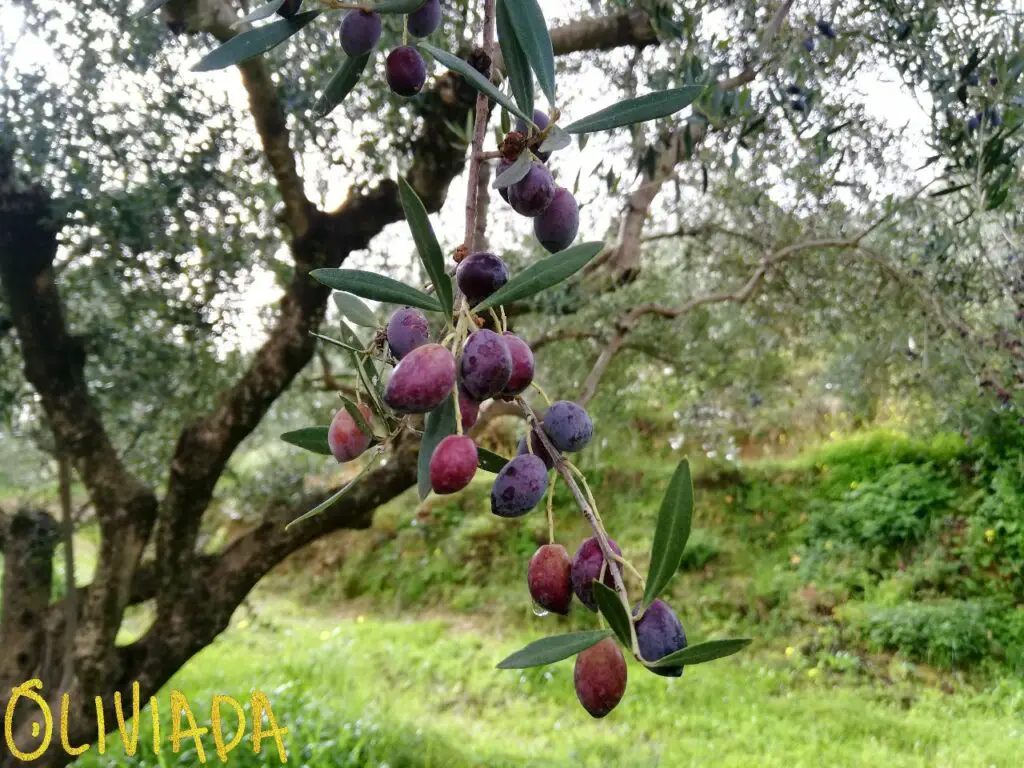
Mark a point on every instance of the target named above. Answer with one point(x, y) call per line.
point(54, 365)
point(217, 18)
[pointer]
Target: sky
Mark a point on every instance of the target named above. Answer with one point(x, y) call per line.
point(884, 98)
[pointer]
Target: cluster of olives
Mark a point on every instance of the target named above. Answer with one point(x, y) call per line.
point(360, 33)
point(491, 364)
point(600, 673)
point(555, 213)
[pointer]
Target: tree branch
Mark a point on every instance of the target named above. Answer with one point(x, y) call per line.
point(624, 260)
point(625, 324)
point(217, 18)
point(54, 365)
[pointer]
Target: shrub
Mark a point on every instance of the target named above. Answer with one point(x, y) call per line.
point(948, 634)
point(701, 549)
point(889, 513)
point(995, 536)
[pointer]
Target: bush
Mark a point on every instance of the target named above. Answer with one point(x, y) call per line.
point(948, 634)
point(994, 543)
point(853, 459)
point(892, 512)
point(701, 549)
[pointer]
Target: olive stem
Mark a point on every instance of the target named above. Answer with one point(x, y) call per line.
point(479, 134)
point(562, 466)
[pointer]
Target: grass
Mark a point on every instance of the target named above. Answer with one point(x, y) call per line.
point(370, 692)
point(876, 574)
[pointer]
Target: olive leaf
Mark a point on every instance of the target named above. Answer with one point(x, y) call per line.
point(440, 424)
point(426, 244)
point(370, 285)
point(367, 373)
point(340, 85)
point(333, 498)
point(265, 10)
point(309, 438)
point(555, 140)
point(357, 417)
point(490, 461)
point(253, 42)
point(702, 652)
point(548, 650)
point(527, 20)
point(353, 309)
point(648, 107)
point(517, 66)
point(397, 6)
point(337, 343)
point(671, 532)
point(474, 78)
point(614, 612)
point(515, 172)
point(542, 275)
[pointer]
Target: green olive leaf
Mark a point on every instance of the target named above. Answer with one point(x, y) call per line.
point(702, 652)
point(548, 650)
point(490, 461)
point(515, 172)
point(475, 79)
point(340, 85)
point(516, 64)
point(426, 244)
point(353, 309)
point(253, 42)
point(265, 10)
point(671, 532)
point(309, 438)
point(542, 275)
point(527, 19)
point(614, 612)
point(648, 107)
point(440, 424)
point(370, 285)
point(357, 417)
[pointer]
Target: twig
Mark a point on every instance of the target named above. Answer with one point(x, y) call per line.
point(473, 228)
point(562, 467)
point(67, 528)
point(625, 324)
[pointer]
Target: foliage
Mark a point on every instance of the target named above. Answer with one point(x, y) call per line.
point(947, 634)
point(887, 513)
point(355, 707)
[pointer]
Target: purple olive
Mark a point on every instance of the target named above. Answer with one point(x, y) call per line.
point(424, 21)
point(485, 365)
point(407, 329)
point(480, 275)
point(522, 366)
point(558, 226)
point(422, 380)
point(406, 71)
point(531, 195)
point(519, 486)
point(453, 464)
point(360, 32)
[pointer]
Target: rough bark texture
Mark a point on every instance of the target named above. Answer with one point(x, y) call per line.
point(195, 593)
